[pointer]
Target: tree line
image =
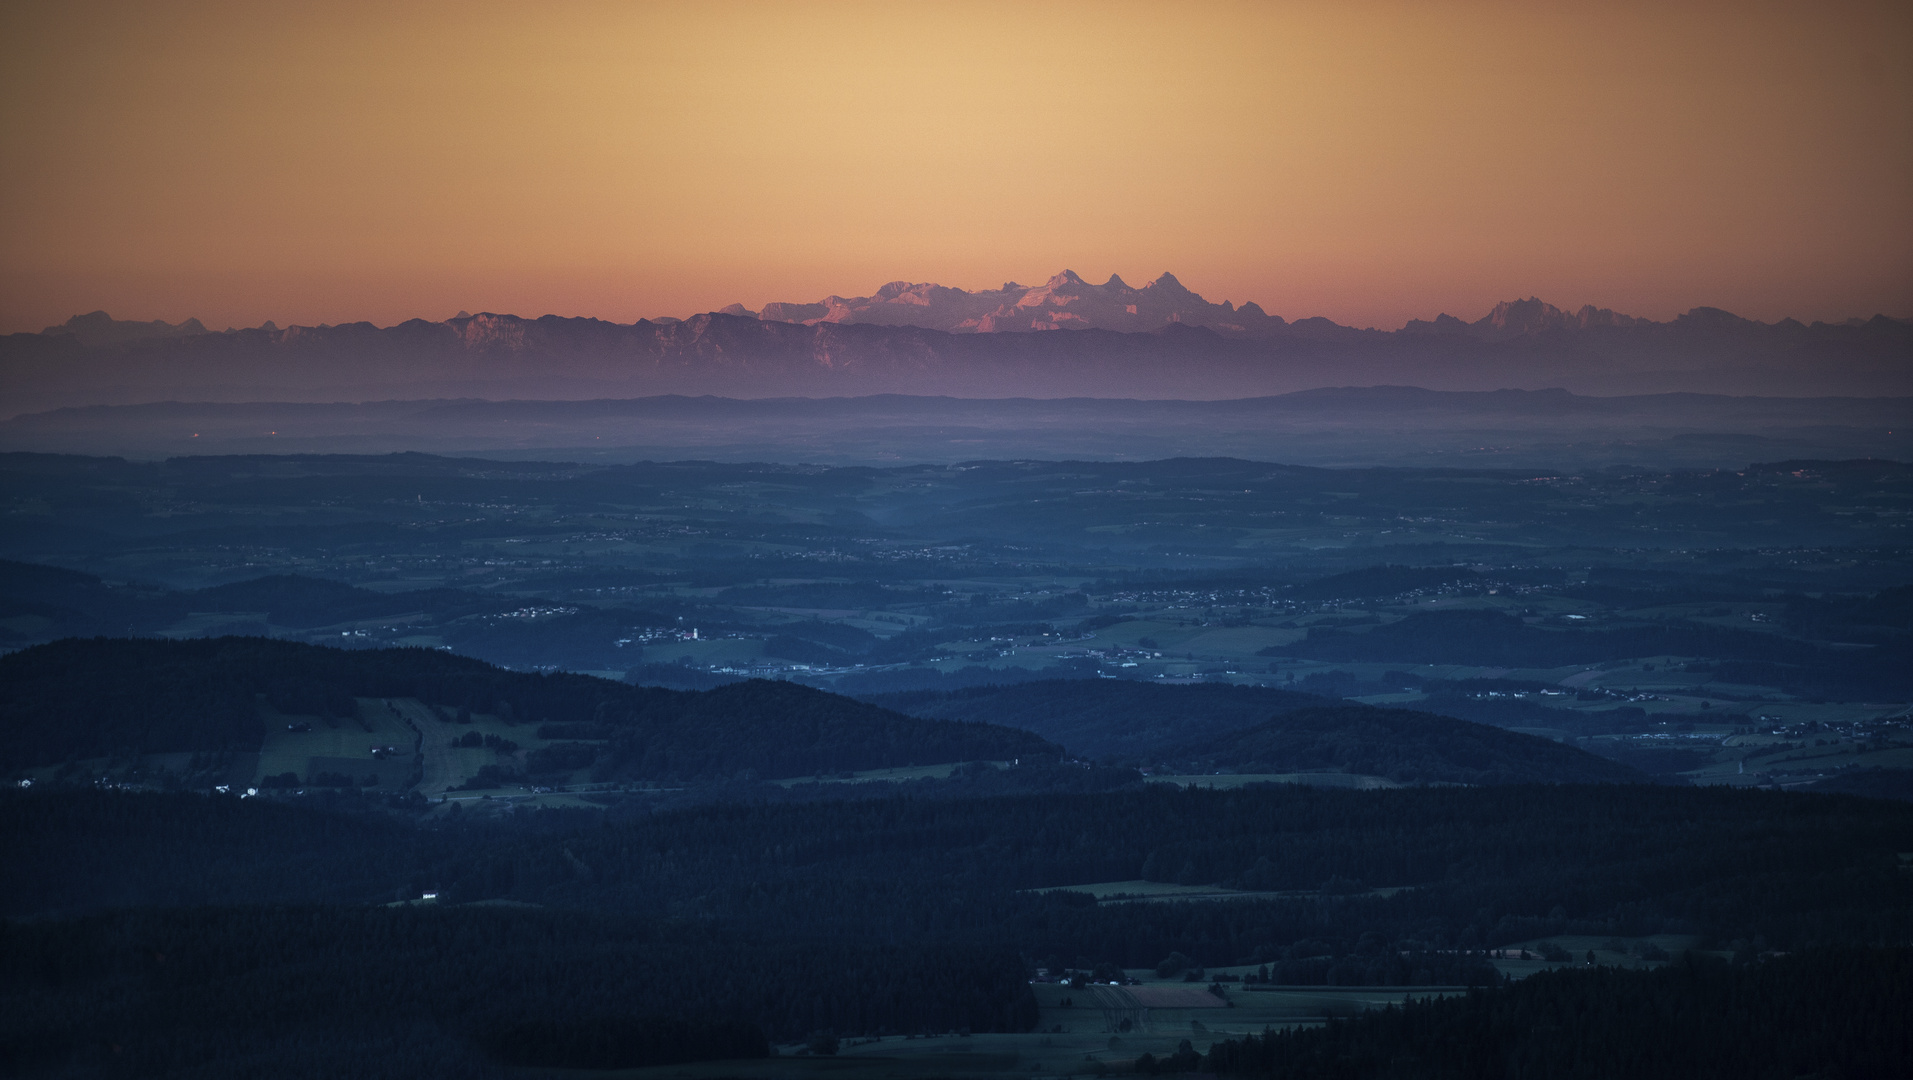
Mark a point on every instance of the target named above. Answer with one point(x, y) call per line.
point(201, 990)
point(86, 698)
point(1483, 637)
point(1468, 868)
point(1827, 1013)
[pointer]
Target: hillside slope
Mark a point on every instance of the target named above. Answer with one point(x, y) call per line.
point(83, 699)
point(1400, 744)
point(1104, 718)
point(1253, 729)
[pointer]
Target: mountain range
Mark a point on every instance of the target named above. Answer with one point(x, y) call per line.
point(1067, 302)
point(1064, 302)
point(1158, 342)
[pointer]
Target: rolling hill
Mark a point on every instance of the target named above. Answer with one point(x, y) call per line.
point(1402, 745)
point(86, 699)
point(1252, 729)
point(1102, 718)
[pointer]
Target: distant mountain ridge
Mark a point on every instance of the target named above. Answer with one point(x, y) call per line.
point(98, 328)
point(1516, 318)
point(1064, 302)
point(1161, 341)
point(1067, 302)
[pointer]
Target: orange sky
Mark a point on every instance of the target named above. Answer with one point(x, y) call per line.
point(1369, 162)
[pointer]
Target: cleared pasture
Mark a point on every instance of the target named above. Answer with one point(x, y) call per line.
point(1798, 764)
point(1103, 890)
point(705, 652)
point(901, 773)
point(343, 741)
point(394, 774)
point(1138, 890)
point(1344, 781)
point(447, 766)
point(1071, 1039)
point(1609, 951)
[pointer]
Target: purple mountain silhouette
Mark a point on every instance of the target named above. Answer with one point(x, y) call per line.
point(1158, 342)
point(1064, 302)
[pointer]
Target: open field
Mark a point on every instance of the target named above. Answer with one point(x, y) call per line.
point(907, 772)
point(344, 745)
point(1793, 764)
point(1609, 951)
point(405, 723)
point(1124, 891)
point(1076, 1039)
point(1103, 890)
point(507, 800)
point(447, 766)
point(706, 652)
point(1309, 779)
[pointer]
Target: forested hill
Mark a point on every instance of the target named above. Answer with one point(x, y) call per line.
point(1257, 729)
point(1403, 745)
point(1880, 667)
point(75, 604)
point(39, 604)
point(1837, 1013)
point(1105, 718)
point(264, 936)
point(89, 698)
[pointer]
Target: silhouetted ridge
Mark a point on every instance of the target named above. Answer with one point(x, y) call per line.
point(86, 698)
point(1255, 729)
point(925, 338)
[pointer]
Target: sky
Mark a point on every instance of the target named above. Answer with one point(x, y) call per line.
point(1370, 162)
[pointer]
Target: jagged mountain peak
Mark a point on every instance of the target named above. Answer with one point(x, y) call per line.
point(931, 339)
point(1710, 317)
point(1065, 301)
point(1521, 318)
point(99, 328)
point(892, 289)
point(1524, 316)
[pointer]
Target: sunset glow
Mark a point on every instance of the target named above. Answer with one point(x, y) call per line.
point(1367, 162)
